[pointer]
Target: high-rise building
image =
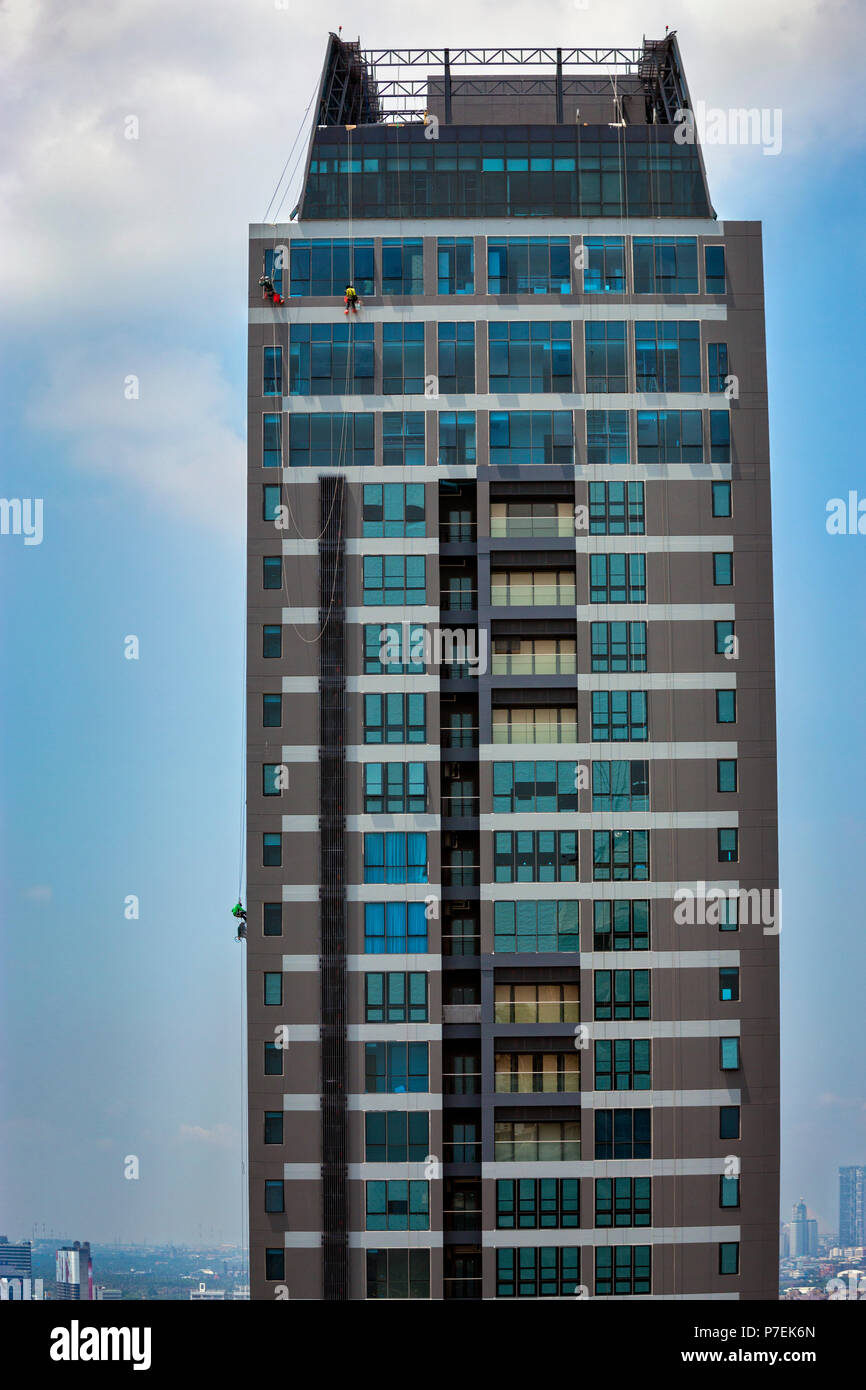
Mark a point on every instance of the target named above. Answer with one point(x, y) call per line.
point(16, 1260)
point(512, 930)
point(852, 1205)
point(74, 1272)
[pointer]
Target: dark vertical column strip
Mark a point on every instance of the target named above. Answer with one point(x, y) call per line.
point(332, 887)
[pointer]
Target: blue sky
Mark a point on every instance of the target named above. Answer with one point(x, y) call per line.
point(123, 777)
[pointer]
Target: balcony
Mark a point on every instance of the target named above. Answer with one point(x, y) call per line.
point(531, 527)
point(536, 732)
point(533, 663)
point(461, 1013)
point(459, 736)
point(532, 595)
point(458, 600)
point(460, 1083)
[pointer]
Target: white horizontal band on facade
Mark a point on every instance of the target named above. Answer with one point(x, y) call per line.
point(626, 888)
point(606, 1168)
point(586, 960)
point(607, 820)
point(657, 1100)
point(379, 545)
point(302, 1172)
point(393, 752)
point(299, 1102)
point(421, 473)
point(429, 545)
point(393, 820)
point(407, 613)
point(299, 825)
point(300, 685)
point(392, 892)
point(617, 1235)
point(583, 613)
point(557, 752)
point(656, 1028)
point(659, 680)
point(396, 1240)
point(643, 545)
point(506, 400)
point(383, 685)
point(549, 225)
point(302, 1240)
point(645, 1029)
point(395, 1100)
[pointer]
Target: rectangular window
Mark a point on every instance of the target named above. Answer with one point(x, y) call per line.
point(528, 786)
point(271, 502)
point(619, 716)
point(392, 1067)
point(622, 994)
point(394, 580)
point(403, 438)
point(622, 1064)
point(729, 1122)
point(393, 509)
point(721, 499)
point(726, 706)
point(398, 1205)
point(395, 718)
point(402, 266)
point(604, 346)
point(717, 366)
point(623, 1134)
point(403, 359)
point(330, 359)
point(272, 779)
point(272, 850)
point(275, 1263)
point(723, 568)
point(720, 436)
point(273, 1127)
point(729, 983)
point(618, 646)
point(457, 437)
point(607, 436)
point(274, 1195)
point(534, 1203)
point(622, 1202)
point(620, 855)
point(519, 438)
point(391, 928)
point(272, 371)
point(398, 1273)
point(667, 355)
point(272, 919)
point(536, 926)
point(530, 356)
point(617, 579)
point(272, 441)
point(620, 785)
point(729, 1054)
point(729, 849)
point(623, 1270)
point(394, 650)
point(395, 997)
point(338, 440)
point(529, 856)
point(604, 265)
point(273, 1059)
point(665, 265)
point(723, 634)
point(395, 857)
point(455, 265)
point(273, 267)
point(273, 987)
point(456, 359)
point(670, 436)
point(620, 924)
point(729, 1257)
point(550, 1272)
point(714, 269)
point(272, 711)
point(729, 914)
point(395, 787)
point(323, 268)
point(726, 774)
point(528, 265)
point(272, 572)
point(616, 509)
point(396, 1136)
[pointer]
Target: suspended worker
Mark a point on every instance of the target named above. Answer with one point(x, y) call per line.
point(351, 300)
point(268, 290)
point(239, 912)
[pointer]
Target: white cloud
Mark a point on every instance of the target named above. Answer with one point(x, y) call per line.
point(218, 1136)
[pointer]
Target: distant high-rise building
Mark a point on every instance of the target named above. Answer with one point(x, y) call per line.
point(852, 1205)
point(16, 1261)
point(784, 1242)
point(104, 1294)
point(803, 1231)
point(74, 1272)
point(513, 1007)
